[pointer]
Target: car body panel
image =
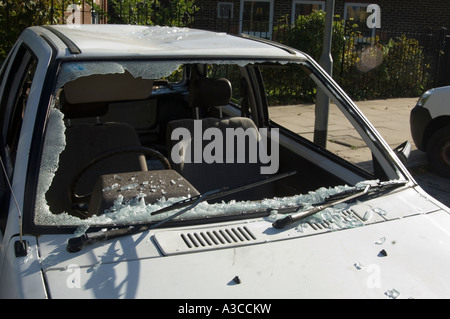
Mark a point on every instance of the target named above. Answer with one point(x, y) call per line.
point(25, 277)
point(437, 103)
point(430, 114)
point(292, 263)
point(282, 269)
point(137, 41)
point(429, 123)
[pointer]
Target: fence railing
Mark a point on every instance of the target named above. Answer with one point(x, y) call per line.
point(415, 60)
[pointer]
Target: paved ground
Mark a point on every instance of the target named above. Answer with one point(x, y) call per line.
point(391, 118)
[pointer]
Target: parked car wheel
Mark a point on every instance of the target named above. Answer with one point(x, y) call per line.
point(430, 128)
point(438, 151)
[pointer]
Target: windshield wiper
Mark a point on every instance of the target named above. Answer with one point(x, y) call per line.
point(77, 243)
point(338, 198)
point(221, 192)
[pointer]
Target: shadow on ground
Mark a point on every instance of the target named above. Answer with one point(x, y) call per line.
point(435, 185)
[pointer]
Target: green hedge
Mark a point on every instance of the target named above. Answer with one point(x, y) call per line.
point(364, 70)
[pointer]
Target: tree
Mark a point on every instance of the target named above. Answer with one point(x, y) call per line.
point(145, 12)
point(15, 16)
point(364, 68)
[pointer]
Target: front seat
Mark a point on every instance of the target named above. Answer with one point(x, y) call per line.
point(85, 141)
point(206, 93)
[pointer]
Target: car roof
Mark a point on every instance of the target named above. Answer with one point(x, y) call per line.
point(93, 41)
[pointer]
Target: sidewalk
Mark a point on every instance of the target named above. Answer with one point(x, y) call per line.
point(391, 119)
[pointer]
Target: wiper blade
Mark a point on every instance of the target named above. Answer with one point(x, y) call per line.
point(77, 243)
point(221, 192)
point(338, 198)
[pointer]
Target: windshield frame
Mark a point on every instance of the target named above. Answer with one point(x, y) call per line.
point(340, 98)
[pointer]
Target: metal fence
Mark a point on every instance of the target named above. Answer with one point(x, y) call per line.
point(414, 60)
point(427, 66)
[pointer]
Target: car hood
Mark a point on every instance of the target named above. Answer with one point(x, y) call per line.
point(402, 252)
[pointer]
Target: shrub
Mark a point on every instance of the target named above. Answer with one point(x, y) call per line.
point(365, 68)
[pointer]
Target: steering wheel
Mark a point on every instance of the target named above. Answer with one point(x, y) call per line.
point(77, 199)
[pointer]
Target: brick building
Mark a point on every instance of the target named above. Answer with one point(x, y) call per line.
point(84, 12)
point(259, 17)
point(426, 21)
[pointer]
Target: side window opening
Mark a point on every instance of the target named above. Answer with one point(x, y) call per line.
point(13, 106)
point(12, 138)
point(3, 68)
point(292, 104)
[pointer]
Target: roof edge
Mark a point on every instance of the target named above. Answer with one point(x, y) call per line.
point(73, 48)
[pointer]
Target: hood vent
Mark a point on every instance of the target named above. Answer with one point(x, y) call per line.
point(193, 240)
point(219, 237)
point(174, 242)
point(345, 219)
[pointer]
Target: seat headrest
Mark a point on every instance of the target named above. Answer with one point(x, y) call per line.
point(207, 92)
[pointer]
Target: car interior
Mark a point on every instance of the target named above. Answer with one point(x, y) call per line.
point(119, 136)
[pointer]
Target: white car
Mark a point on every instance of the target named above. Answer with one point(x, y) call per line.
point(149, 162)
point(430, 128)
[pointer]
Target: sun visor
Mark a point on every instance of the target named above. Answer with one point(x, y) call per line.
point(107, 88)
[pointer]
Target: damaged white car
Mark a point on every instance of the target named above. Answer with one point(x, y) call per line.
point(156, 162)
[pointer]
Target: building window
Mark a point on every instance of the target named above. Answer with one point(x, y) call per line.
point(304, 7)
point(256, 18)
point(356, 14)
point(225, 10)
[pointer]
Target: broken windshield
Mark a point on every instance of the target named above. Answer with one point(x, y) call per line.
point(139, 69)
point(143, 69)
point(141, 97)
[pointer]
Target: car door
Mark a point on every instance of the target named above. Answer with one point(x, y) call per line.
point(16, 81)
point(22, 79)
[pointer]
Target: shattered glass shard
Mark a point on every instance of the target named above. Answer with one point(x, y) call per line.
point(393, 294)
point(359, 266)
